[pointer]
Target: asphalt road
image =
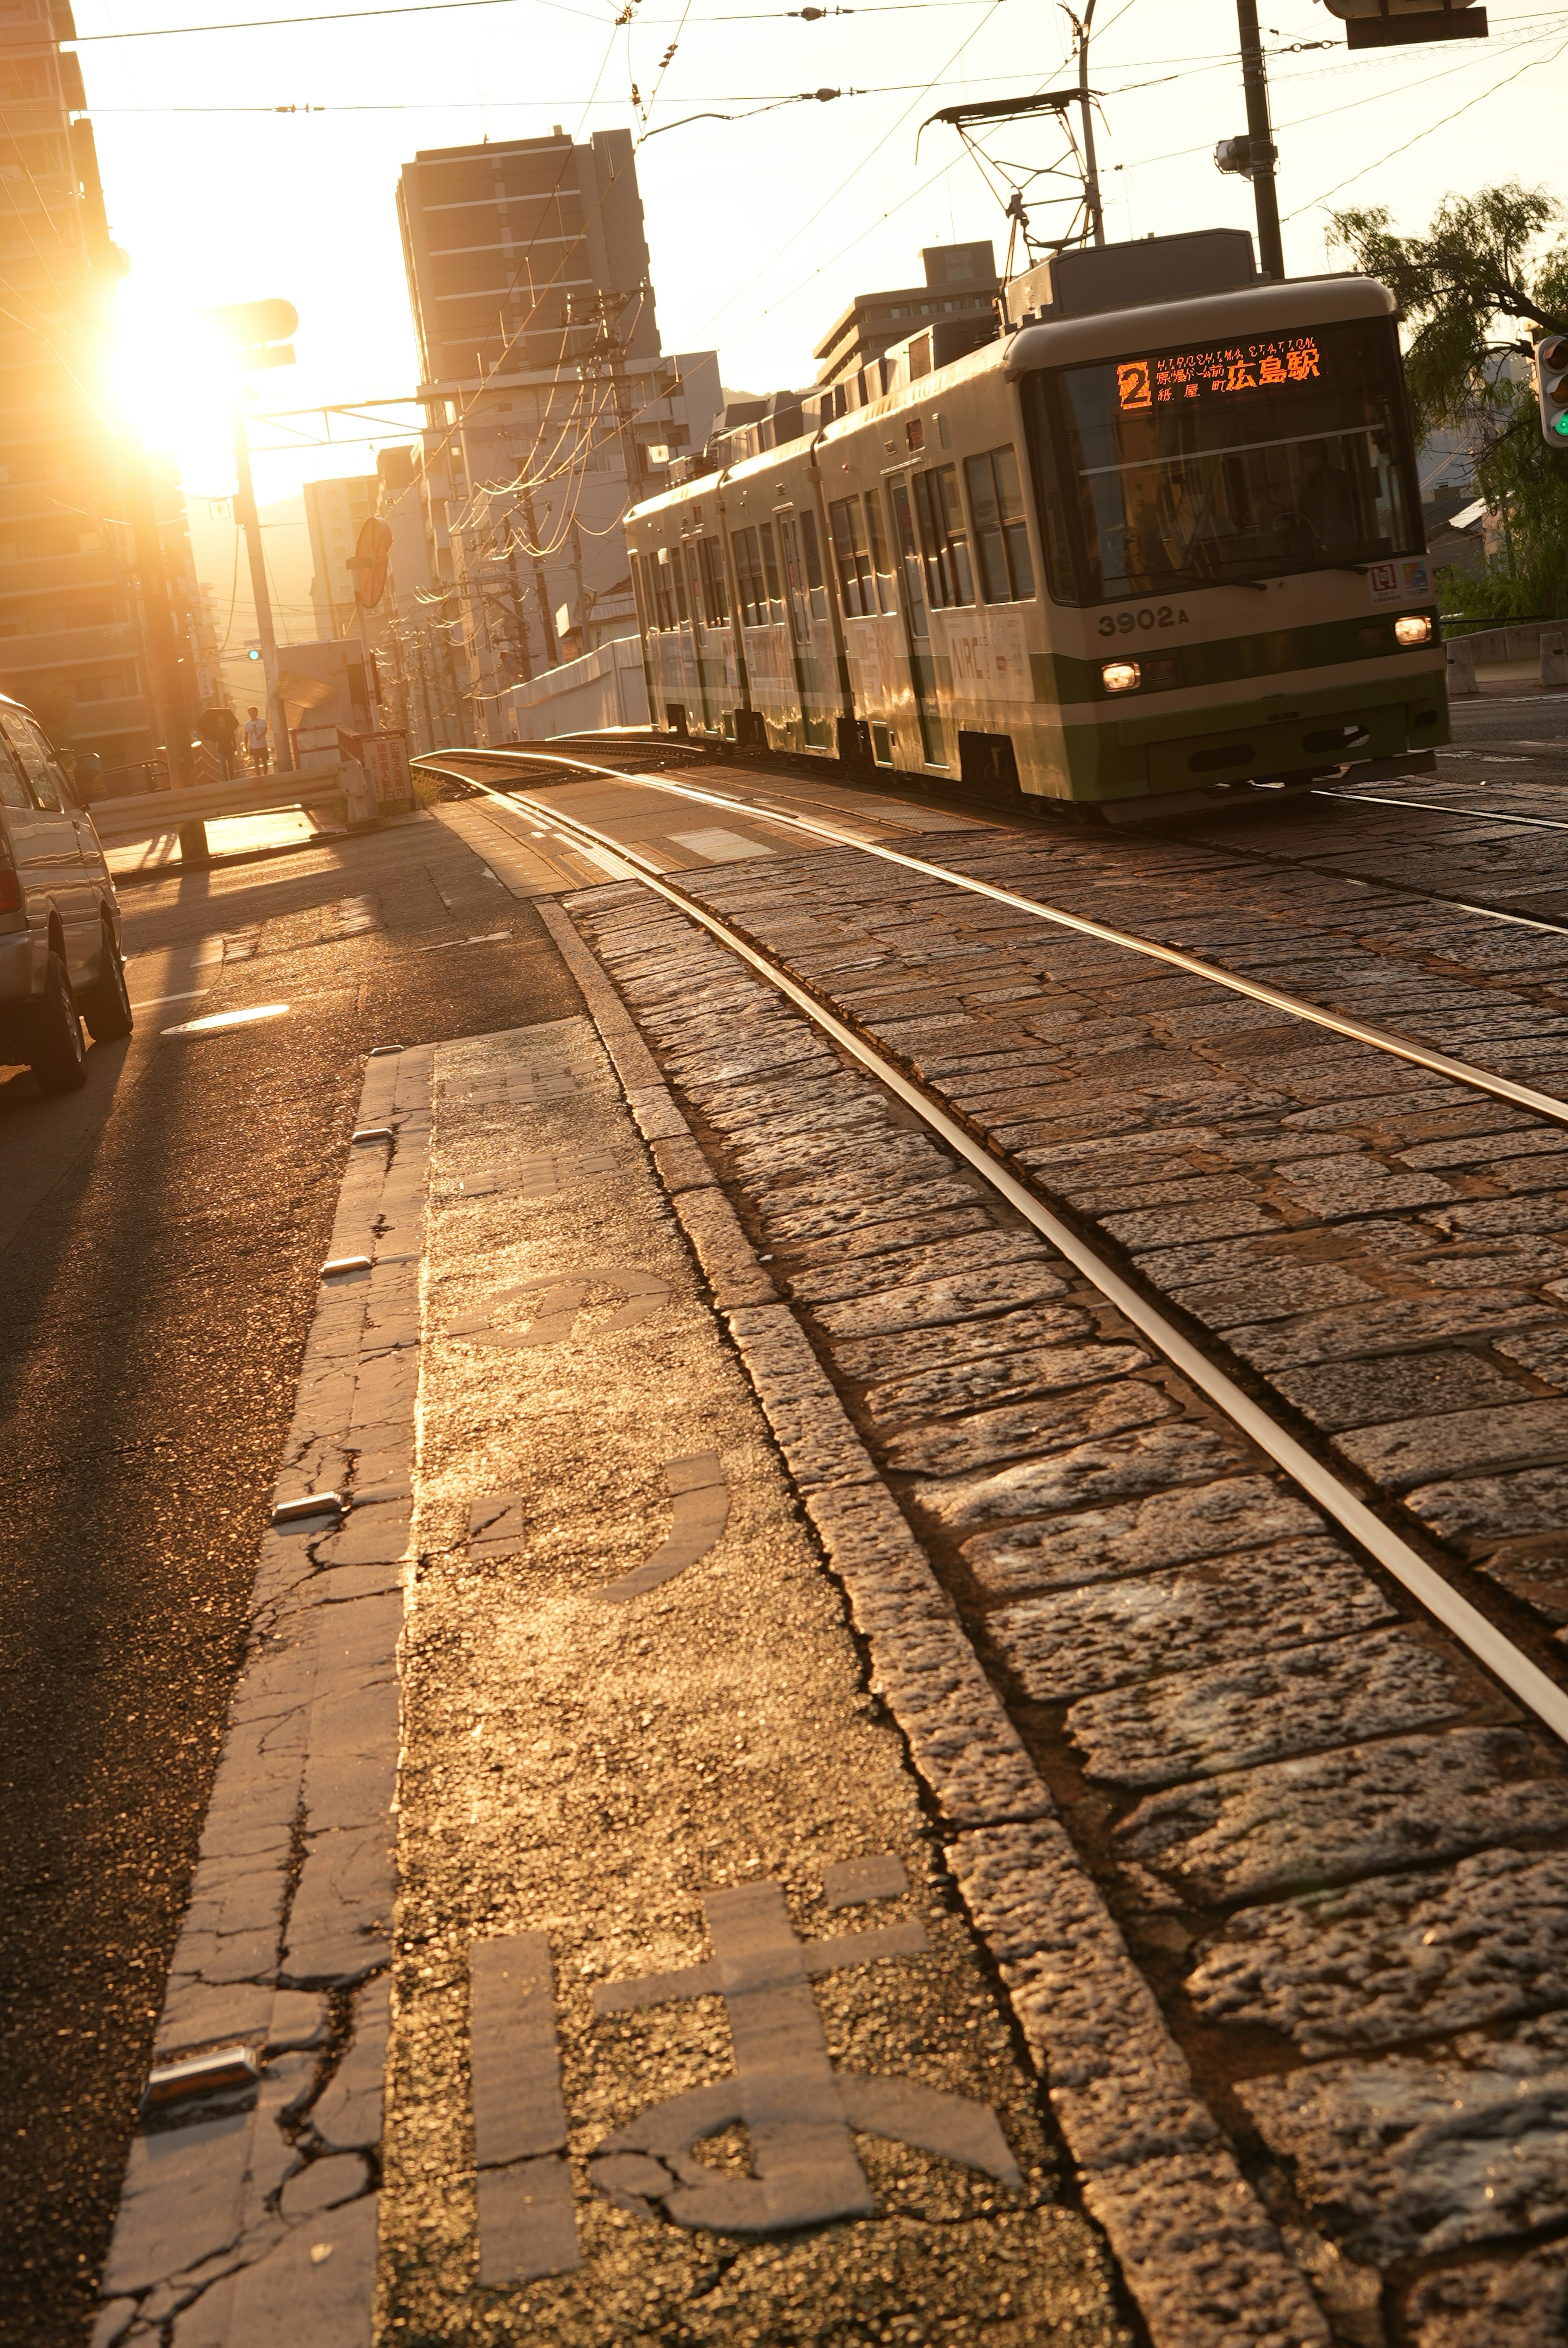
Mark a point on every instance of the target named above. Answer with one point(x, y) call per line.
point(160, 1240)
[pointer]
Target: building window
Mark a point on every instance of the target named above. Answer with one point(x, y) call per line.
point(944, 540)
point(1001, 539)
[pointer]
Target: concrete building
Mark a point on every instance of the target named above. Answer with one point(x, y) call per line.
point(551, 403)
point(70, 633)
point(961, 283)
point(335, 513)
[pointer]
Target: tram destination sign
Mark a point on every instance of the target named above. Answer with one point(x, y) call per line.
point(1216, 371)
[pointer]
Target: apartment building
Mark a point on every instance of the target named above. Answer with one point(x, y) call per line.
point(551, 405)
point(70, 637)
point(335, 513)
point(962, 283)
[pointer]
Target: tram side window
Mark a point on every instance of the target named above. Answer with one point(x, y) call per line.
point(816, 583)
point(749, 579)
point(711, 570)
point(664, 604)
point(770, 572)
point(944, 540)
point(852, 556)
point(1002, 537)
point(678, 579)
point(881, 558)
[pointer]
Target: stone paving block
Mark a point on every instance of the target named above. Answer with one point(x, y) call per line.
point(829, 1212)
point(198, 2013)
point(1003, 1377)
point(341, 1917)
point(682, 1165)
point(963, 1446)
point(1275, 1293)
point(1531, 1500)
point(1354, 1332)
point(1264, 1706)
point(348, 2112)
point(1402, 1956)
point(729, 1264)
point(1161, 1226)
point(941, 1351)
point(1322, 1818)
point(1492, 2305)
point(1360, 1184)
point(351, 1774)
point(1122, 1467)
point(1110, 1632)
point(960, 1737)
point(931, 1303)
point(1173, 1528)
point(1203, 2258)
point(317, 2284)
point(1401, 1386)
point(181, 2203)
point(1411, 1451)
point(658, 1118)
point(1411, 2157)
point(1543, 1351)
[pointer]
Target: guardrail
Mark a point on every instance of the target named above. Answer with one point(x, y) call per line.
point(119, 820)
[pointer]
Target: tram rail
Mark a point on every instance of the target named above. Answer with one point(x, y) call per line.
point(1483, 1639)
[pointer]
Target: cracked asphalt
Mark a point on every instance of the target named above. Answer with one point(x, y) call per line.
point(160, 1236)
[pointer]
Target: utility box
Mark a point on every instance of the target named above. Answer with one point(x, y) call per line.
point(1094, 277)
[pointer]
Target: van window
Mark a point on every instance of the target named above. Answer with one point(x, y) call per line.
point(35, 758)
point(944, 540)
point(1001, 538)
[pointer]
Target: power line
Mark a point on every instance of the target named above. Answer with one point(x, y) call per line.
point(560, 7)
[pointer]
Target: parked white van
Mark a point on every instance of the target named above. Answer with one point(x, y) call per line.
point(60, 935)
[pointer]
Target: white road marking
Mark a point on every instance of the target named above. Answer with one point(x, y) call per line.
point(720, 847)
point(215, 1021)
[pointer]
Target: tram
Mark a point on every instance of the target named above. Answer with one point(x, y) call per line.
point(1159, 540)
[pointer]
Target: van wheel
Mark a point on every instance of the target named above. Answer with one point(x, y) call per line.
point(57, 1048)
point(106, 1004)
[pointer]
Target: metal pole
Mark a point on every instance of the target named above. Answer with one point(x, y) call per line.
point(1091, 170)
point(1254, 81)
point(552, 650)
point(160, 636)
point(251, 523)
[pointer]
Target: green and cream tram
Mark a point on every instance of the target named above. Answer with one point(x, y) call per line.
point(1151, 541)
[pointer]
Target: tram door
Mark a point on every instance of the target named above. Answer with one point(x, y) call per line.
point(701, 666)
point(922, 669)
point(803, 574)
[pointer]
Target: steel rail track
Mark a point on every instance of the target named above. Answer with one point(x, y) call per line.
point(1295, 1007)
point(1439, 806)
point(1491, 1646)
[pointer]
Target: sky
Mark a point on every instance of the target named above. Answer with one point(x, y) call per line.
point(760, 229)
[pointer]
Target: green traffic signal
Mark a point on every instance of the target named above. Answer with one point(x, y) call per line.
point(1552, 389)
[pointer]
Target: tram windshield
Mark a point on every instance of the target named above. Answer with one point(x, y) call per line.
point(1225, 460)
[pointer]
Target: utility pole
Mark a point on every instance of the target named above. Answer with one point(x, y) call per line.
point(552, 650)
point(1086, 105)
point(1260, 141)
point(161, 642)
point(249, 522)
point(525, 659)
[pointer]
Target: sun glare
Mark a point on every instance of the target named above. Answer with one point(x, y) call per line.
point(177, 377)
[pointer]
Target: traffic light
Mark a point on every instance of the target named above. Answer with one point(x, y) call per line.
point(259, 332)
point(1551, 385)
point(1398, 24)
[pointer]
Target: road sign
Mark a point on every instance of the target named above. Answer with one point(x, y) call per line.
point(1551, 385)
point(368, 563)
point(1391, 23)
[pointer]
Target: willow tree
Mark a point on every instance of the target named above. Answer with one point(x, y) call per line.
point(1489, 276)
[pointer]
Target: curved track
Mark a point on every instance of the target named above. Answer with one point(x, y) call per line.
point(1437, 1595)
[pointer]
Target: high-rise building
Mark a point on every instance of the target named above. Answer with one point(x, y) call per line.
point(70, 633)
point(335, 513)
point(550, 406)
point(961, 286)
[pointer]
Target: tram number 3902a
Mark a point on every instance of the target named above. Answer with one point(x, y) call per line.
point(1122, 624)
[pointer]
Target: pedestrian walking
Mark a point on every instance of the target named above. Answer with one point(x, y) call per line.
point(256, 741)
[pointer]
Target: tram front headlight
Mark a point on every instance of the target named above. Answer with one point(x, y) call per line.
point(1414, 628)
point(1120, 676)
